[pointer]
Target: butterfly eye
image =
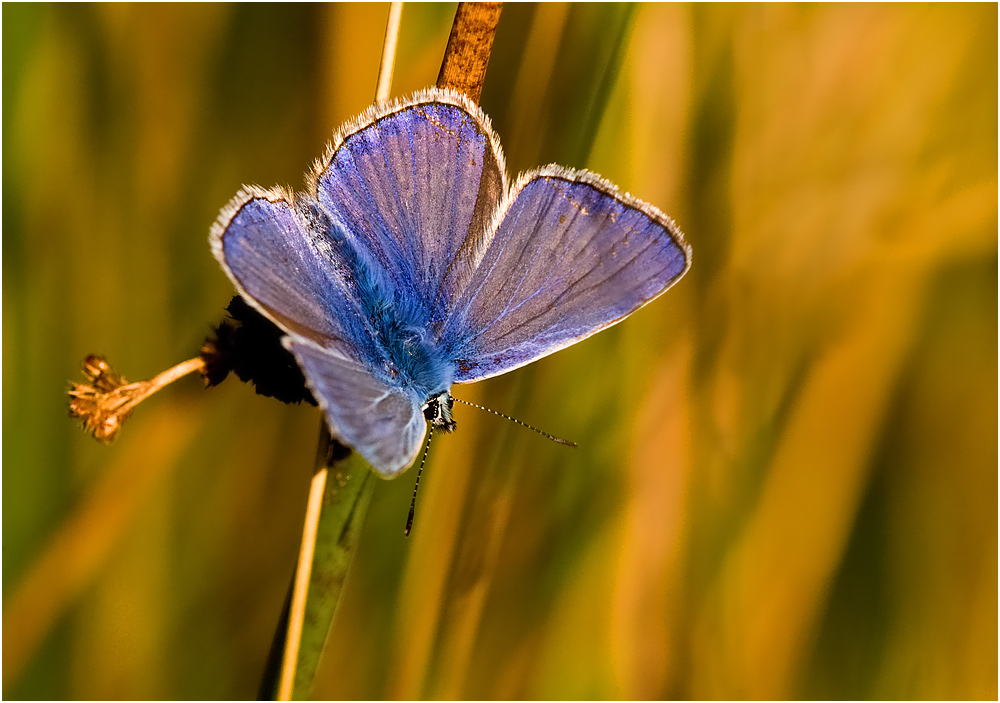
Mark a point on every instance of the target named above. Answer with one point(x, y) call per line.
point(430, 411)
point(437, 411)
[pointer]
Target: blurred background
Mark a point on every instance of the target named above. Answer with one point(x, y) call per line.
point(787, 479)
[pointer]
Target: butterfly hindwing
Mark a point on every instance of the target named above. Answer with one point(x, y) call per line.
point(571, 256)
point(381, 422)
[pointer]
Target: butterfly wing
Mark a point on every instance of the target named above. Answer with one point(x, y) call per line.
point(416, 184)
point(571, 256)
point(299, 269)
point(278, 251)
point(381, 422)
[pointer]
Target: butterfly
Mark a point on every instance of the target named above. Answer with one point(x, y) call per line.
point(411, 263)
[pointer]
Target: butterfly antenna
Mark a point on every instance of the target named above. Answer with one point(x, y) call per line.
point(522, 424)
point(413, 500)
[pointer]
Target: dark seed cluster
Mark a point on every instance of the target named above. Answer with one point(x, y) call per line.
point(249, 345)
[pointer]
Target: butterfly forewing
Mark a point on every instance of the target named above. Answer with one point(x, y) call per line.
point(417, 186)
point(571, 256)
point(281, 264)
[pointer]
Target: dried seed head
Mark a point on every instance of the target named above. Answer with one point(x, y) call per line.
point(108, 402)
point(104, 405)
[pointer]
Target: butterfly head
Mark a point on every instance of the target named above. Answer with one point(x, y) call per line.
point(437, 411)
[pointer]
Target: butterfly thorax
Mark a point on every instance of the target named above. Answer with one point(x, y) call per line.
point(437, 411)
point(413, 359)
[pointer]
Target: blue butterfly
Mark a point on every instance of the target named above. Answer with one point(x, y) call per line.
point(411, 263)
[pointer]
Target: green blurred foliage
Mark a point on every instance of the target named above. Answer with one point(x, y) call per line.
point(787, 472)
